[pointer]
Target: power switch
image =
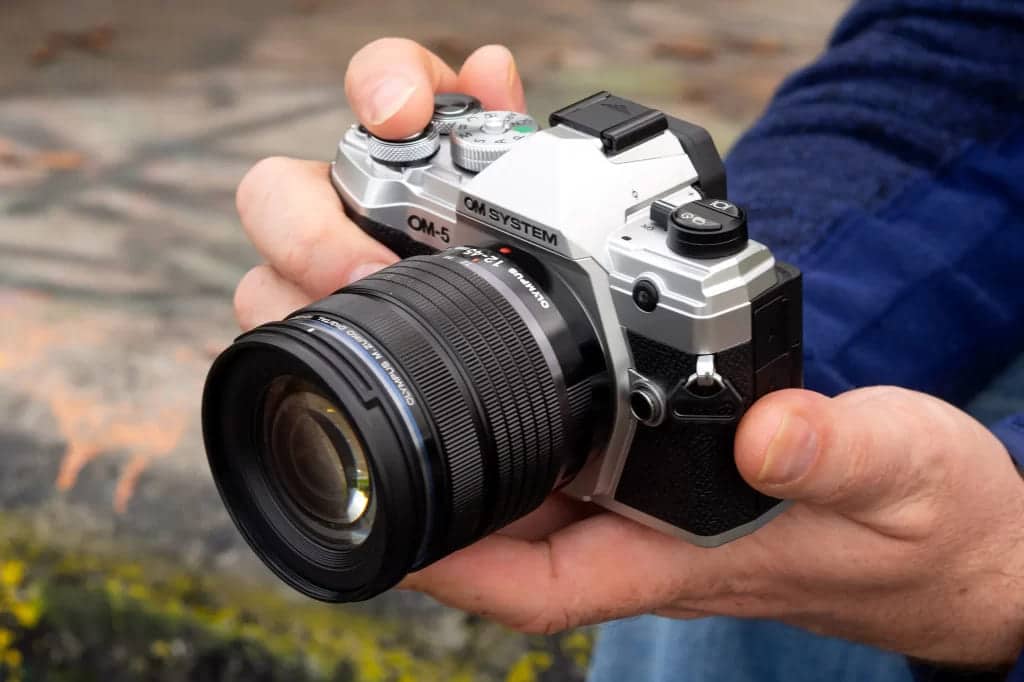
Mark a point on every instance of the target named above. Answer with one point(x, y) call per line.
point(709, 228)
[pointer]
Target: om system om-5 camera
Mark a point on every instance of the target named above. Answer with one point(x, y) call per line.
point(577, 308)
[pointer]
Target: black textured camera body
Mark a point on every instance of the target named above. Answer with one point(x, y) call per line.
point(694, 444)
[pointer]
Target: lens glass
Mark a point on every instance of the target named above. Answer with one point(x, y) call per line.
point(318, 461)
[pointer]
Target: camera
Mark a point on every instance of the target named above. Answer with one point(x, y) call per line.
point(577, 308)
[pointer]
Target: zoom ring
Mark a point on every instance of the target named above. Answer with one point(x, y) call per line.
point(530, 466)
point(505, 368)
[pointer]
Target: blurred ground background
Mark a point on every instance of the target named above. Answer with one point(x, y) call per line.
point(124, 128)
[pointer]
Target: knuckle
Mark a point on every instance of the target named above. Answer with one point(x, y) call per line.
point(244, 298)
point(298, 260)
point(257, 185)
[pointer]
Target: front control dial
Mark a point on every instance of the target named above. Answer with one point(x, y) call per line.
point(409, 151)
point(481, 139)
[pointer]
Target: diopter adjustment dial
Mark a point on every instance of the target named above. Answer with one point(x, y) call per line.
point(411, 150)
point(480, 139)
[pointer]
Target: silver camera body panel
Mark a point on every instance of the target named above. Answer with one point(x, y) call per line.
point(559, 195)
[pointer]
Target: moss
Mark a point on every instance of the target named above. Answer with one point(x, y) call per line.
point(529, 666)
point(77, 616)
point(578, 646)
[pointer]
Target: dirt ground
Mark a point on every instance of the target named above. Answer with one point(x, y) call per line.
point(124, 128)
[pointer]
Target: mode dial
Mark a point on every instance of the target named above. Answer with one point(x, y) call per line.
point(413, 149)
point(451, 108)
point(481, 138)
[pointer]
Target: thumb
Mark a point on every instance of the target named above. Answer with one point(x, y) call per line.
point(863, 451)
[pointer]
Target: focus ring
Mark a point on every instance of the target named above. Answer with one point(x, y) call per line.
point(543, 427)
point(520, 361)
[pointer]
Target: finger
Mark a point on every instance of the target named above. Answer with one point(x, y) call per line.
point(602, 568)
point(490, 74)
point(557, 512)
point(296, 221)
point(865, 451)
point(264, 296)
point(390, 85)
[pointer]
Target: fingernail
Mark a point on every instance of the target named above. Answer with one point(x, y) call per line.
point(388, 98)
point(513, 72)
point(791, 453)
point(364, 270)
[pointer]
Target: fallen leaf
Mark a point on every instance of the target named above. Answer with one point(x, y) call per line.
point(97, 39)
point(690, 48)
point(10, 155)
point(695, 93)
point(42, 55)
point(764, 46)
point(59, 160)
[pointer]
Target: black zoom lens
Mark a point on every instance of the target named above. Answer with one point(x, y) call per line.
point(402, 418)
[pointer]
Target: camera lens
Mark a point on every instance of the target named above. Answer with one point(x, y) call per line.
point(317, 457)
point(403, 418)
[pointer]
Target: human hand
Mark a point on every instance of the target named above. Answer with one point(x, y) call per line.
point(907, 532)
point(291, 213)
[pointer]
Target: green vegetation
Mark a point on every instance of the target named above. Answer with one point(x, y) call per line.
point(72, 616)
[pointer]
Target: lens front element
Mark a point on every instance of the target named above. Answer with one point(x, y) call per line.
point(318, 460)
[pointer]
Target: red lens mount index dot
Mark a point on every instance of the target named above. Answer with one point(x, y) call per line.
point(505, 250)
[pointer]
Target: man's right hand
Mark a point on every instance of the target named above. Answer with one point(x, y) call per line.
point(291, 213)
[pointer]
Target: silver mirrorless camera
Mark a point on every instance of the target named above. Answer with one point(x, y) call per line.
point(578, 308)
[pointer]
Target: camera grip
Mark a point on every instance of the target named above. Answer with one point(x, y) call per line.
point(683, 472)
point(692, 483)
point(395, 239)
